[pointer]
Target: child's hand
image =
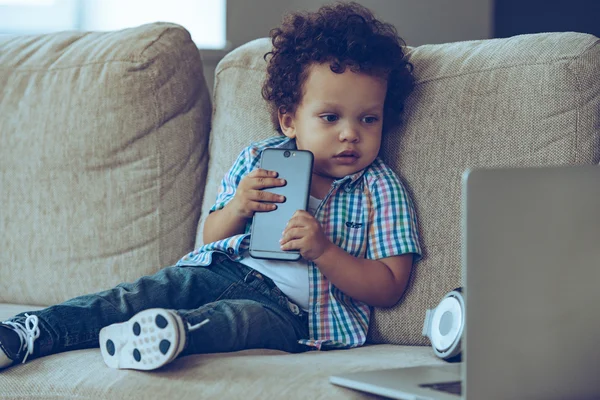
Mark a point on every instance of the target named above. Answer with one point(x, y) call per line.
point(249, 197)
point(304, 233)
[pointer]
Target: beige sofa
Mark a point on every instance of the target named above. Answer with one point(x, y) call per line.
point(110, 155)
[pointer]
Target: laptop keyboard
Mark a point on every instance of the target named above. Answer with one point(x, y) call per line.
point(454, 387)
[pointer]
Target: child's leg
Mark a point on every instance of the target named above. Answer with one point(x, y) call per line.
point(245, 324)
point(251, 314)
point(76, 323)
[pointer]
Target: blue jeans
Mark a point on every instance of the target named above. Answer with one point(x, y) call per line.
point(246, 310)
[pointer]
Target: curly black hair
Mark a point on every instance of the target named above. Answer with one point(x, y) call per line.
point(345, 35)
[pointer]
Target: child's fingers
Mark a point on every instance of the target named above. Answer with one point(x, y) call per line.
point(262, 173)
point(299, 218)
point(291, 245)
point(262, 207)
point(265, 178)
point(265, 182)
point(265, 196)
point(302, 214)
point(291, 234)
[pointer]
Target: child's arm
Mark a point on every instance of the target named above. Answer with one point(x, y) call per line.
point(222, 224)
point(249, 198)
point(379, 283)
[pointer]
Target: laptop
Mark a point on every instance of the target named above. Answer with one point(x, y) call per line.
point(531, 273)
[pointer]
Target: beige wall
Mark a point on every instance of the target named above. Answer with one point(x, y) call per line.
point(418, 21)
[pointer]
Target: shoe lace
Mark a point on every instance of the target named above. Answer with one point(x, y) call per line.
point(198, 325)
point(28, 333)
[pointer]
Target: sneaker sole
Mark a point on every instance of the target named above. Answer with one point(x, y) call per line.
point(149, 340)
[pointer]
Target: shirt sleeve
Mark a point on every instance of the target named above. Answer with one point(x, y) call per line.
point(393, 228)
point(242, 166)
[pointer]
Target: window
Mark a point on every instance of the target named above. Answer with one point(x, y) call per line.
point(204, 19)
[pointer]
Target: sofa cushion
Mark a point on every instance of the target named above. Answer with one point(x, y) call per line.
point(250, 374)
point(103, 139)
point(523, 101)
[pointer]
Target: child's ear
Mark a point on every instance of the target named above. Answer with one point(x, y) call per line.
point(287, 125)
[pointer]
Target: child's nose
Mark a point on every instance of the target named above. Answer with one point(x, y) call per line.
point(350, 133)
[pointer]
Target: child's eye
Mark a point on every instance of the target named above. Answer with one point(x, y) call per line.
point(370, 120)
point(329, 117)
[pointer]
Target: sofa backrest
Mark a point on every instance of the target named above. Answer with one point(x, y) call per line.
point(523, 101)
point(102, 158)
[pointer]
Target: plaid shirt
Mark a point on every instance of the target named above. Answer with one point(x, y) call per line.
point(368, 214)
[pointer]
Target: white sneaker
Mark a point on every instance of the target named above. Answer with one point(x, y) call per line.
point(149, 340)
point(17, 340)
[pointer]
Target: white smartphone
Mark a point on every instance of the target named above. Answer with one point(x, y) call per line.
point(295, 166)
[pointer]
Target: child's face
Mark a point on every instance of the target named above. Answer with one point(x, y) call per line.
point(339, 119)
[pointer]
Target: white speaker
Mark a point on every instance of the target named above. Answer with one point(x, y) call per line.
point(444, 326)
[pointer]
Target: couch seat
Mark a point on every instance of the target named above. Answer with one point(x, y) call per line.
point(250, 374)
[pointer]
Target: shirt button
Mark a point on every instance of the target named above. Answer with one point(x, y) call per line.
point(348, 189)
point(230, 250)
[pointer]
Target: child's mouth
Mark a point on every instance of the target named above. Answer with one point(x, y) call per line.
point(346, 157)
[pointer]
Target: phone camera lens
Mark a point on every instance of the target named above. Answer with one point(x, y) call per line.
point(286, 153)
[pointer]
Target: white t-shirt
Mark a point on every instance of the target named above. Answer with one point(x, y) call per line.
point(291, 277)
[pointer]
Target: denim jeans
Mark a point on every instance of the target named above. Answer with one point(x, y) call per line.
point(246, 310)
